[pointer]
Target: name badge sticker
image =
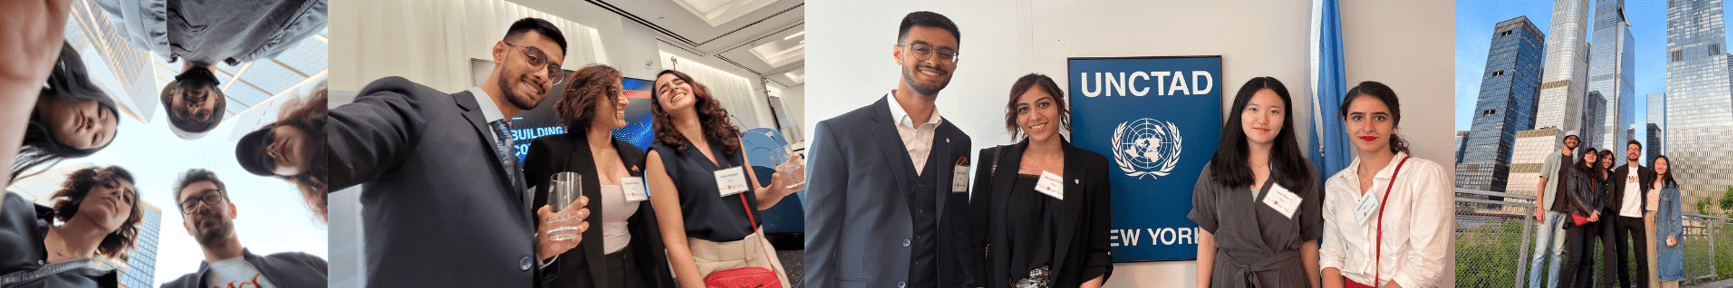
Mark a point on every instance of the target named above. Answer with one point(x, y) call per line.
point(731, 181)
point(633, 187)
point(1052, 185)
point(960, 179)
point(1283, 200)
point(1364, 207)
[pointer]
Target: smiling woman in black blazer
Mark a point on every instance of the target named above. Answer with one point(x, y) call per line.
point(622, 248)
point(1034, 231)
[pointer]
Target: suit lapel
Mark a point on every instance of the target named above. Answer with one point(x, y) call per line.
point(942, 166)
point(1073, 203)
point(471, 112)
point(890, 143)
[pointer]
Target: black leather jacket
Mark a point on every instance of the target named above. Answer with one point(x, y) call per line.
point(23, 225)
point(1585, 192)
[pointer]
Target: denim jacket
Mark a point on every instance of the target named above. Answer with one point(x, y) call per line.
point(227, 31)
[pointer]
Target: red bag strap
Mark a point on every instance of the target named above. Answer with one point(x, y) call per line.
point(754, 222)
point(1378, 258)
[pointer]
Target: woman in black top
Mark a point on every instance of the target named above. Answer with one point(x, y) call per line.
point(1585, 188)
point(623, 247)
point(704, 223)
point(1244, 240)
point(97, 214)
point(1032, 230)
point(72, 118)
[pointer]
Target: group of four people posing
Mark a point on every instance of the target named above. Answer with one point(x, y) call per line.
point(890, 205)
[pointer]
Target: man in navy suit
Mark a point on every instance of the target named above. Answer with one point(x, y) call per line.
point(886, 206)
point(443, 197)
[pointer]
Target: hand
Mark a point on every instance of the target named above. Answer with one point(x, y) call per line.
point(1539, 214)
point(1595, 217)
point(1671, 242)
point(790, 173)
point(546, 246)
point(35, 30)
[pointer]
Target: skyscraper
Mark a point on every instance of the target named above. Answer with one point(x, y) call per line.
point(1699, 103)
point(1566, 70)
point(140, 268)
point(1594, 111)
point(1506, 104)
point(1532, 146)
point(1461, 137)
point(1657, 114)
point(1611, 62)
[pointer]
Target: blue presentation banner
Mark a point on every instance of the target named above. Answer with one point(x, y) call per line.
point(1159, 120)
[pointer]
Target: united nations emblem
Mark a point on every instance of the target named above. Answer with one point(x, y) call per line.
point(1146, 147)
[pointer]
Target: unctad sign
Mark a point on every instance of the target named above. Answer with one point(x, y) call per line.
point(1159, 119)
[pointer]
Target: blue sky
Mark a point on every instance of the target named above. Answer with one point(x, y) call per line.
point(1475, 20)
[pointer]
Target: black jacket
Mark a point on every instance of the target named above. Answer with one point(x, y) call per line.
point(1081, 248)
point(440, 209)
point(1585, 192)
point(23, 226)
point(1645, 179)
point(287, 270)
point(584, 266)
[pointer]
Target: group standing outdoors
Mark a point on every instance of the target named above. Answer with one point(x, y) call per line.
point(1631, 209)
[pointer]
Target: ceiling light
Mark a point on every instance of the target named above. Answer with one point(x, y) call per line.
point(802, 32)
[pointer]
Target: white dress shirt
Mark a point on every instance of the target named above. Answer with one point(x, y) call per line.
point(918, 139)
point(489, 110)
point(1418, 223)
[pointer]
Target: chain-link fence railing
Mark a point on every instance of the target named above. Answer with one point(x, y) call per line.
point(1495, 234)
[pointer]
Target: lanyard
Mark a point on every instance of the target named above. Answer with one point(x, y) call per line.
point(1378, 258)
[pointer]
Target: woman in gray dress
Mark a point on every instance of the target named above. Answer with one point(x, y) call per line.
point(1252, 237)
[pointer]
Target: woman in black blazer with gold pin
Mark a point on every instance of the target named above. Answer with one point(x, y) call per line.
point(622, 248)
point(1041, 206)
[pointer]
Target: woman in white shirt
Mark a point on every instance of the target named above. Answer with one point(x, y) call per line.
point(1387, 216)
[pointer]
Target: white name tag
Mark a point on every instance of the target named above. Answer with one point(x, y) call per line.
point(731, 181)
point(960, 179)
point(1282, 200)
point(1052, 185)
point(633, 187)
point(1364, 207)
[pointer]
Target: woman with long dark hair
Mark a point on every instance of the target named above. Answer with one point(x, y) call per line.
point(94, 214)
point(1027, 233)
point(705, 195)
point(1246, 241)
point(72, 118)
point(1586, 193)
point(1669, 228)
point(1387, 215)
point(627, 250)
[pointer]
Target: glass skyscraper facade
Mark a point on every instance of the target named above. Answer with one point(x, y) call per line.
point(1657, 128)
point(1611, 62)
point(1699, 104)
point(1532, 148)
point(1508, 89)
point(140, 268)
point(1566, 70)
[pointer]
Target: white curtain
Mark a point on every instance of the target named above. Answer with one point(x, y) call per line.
point(736, 93)
point(431, 42)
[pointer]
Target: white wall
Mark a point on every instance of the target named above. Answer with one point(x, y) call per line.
point(1405, 45)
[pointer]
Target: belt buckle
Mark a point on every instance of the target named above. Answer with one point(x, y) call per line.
point(1038, 278)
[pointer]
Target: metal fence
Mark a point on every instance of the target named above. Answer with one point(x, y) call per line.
point(1495, 233)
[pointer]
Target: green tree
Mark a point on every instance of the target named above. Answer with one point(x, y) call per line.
point(1727, 202)
point(1703, 205)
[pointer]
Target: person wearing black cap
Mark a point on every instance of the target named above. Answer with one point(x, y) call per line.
point(442, 193)
point(289, 148)
point(209, 216)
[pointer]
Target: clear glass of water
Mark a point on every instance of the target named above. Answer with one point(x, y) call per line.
point(796, 169)
point(563, 188)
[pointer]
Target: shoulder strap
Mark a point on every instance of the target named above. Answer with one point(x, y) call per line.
point(51, 269)
point(1378, 258)
point(994, 167)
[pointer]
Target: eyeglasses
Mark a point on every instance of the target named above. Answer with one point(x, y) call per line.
point(211, 198)
point(923, 51)
point(536, 57)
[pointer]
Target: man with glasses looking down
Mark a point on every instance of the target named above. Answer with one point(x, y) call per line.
point(209, 217)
